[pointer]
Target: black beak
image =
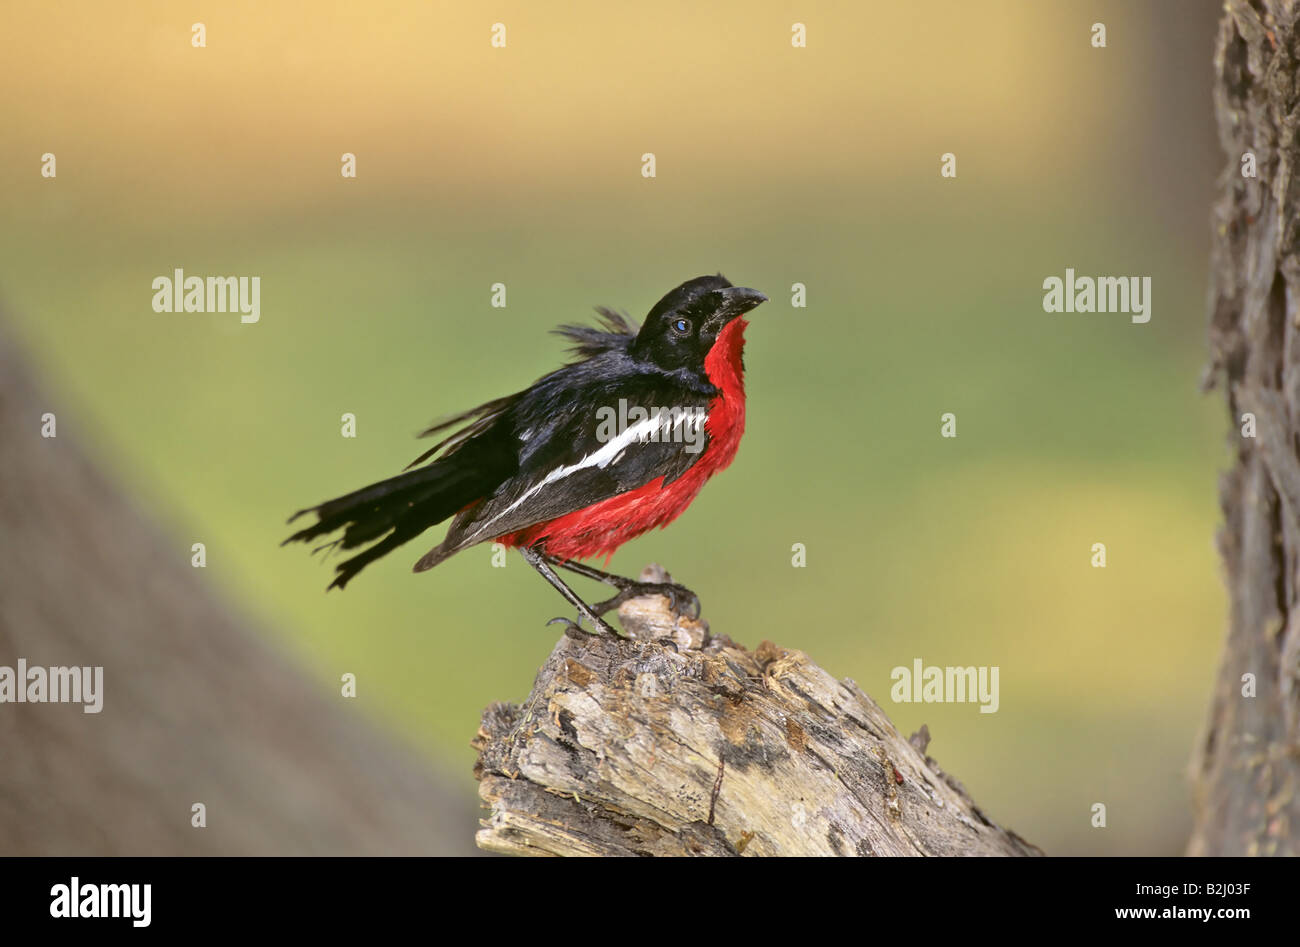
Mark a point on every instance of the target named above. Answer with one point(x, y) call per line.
point(736, 301)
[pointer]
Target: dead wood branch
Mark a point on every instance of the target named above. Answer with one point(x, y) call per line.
point(680, 743)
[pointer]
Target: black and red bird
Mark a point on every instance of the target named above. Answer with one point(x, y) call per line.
point(547, 470)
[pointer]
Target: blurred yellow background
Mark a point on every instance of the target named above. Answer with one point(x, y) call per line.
point(775, 165)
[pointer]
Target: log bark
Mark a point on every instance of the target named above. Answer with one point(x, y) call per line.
point(197, 706)
point(1246, 771)
point(679, 742)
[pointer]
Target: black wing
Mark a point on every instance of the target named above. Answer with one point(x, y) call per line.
point(584, 448)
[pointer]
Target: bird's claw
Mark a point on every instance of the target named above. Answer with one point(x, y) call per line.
point(674, 592)
point(677, 595)
point(574, 628)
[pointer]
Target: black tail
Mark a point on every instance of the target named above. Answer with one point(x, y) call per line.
point(476, 458)
point(402, 507)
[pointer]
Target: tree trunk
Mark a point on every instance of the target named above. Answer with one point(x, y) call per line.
point(1247, 768)
point(680, 743)
point(197, 708)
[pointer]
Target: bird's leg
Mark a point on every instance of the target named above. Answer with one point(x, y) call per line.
point(677, 595)
point(587, 572)
point(539, 562)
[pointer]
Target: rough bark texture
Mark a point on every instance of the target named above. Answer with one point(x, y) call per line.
point(197, 708)
point(681, 743)
point(1247, 769)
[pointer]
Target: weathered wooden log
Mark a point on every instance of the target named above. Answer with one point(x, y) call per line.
point(1246, 770)
point(679, 742)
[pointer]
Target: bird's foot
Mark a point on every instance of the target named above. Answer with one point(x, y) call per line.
point(681, 600)
point(575, 629)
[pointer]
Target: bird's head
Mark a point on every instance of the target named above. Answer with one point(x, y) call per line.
point(682, 327)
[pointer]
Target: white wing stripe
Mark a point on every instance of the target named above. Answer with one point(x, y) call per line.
point(597, 458)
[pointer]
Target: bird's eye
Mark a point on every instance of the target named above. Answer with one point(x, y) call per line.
point(682, 326)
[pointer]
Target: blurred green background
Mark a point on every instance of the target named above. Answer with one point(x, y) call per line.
point(776, 165)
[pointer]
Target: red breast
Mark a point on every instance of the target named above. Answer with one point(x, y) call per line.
point(599, 529)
